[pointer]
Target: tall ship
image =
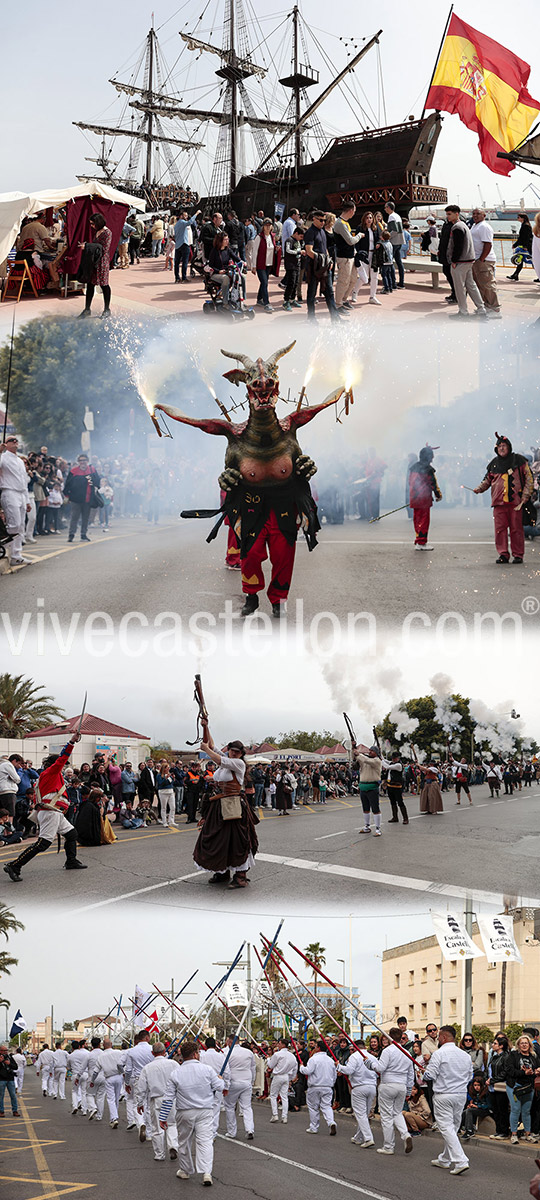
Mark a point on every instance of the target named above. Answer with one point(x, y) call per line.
point(294, 160)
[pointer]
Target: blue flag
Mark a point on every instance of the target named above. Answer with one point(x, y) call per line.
point(19, 1024)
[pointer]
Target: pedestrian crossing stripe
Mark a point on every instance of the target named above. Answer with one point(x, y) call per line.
point(61, 1187)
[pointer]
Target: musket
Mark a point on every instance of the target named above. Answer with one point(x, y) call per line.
point(377, 742)
point(350, 729)
point(202, 712)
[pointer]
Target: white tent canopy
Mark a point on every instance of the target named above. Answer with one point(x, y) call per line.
point(14, 206)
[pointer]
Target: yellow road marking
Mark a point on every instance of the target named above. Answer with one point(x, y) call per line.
point(50, 1190)
point(29, 1145)
point(79, 546)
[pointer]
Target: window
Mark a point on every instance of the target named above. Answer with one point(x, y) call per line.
point(411, 978)
point(396, 981)
point(492, 966)
point(424, 975)
point(491, 1001)
point(453, 968)
point(438, 971)
point(438, 1009)
point(453, 1007)
point(423, 1009)
point(411, 1012)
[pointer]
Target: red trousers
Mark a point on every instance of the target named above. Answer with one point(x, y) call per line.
point(270, 542)
point(509, 520)
point(421, 525)
point(232, 557)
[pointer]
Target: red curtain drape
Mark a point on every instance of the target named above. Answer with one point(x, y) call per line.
point(78, 229)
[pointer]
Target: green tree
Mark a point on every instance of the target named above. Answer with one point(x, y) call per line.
point(24, 706)
point(300, 739)
point(317, 954)
point(513, 1030)
point(60, 367)
point(482, 1033)
point(8, 924)
point(429, 735)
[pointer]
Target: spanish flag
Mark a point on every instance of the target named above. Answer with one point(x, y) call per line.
point(485, 84)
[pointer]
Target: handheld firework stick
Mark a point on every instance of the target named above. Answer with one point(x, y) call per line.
point(466, 488)
point(318, 1001)
point(249, 1004)
point(311, 1019)
point(202, 1007)
point(202, 712)
point(356, 1006)
point(263, 1053)
point(388, 514)
point(276, 999)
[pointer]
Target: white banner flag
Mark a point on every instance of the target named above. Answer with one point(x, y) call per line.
point(140, 1002)
point(235, 993)
point(453, 937)
point(497, 934)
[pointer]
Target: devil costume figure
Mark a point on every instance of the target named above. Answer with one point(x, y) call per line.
point(511, 481)
point(265, 481)
point(51, 805)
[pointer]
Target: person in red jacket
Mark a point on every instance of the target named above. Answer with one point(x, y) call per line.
point(423, 487)
point(511, 481)
point(51, 806)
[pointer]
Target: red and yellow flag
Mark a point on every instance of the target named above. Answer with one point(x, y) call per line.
point(485, 84)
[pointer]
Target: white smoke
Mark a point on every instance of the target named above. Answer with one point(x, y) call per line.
point(405, 725)
point(495, 725)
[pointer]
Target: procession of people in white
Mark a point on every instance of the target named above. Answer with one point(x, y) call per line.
point(176, 1102)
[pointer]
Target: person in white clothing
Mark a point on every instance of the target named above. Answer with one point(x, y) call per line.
point(149, 1090)
point(363, 1090)
point(396, 1072)
point(192, 1087)
point(111, 1064)
point(450, 1069)
point(284, 1068)
point(242, 1070)
point(45, 1068)
point(137, 1057)
point(216, 1058)
point(96, 1088)
point(321, 1074)
point(60, 1057)
point(14, 496)
point(78, 1065)
point(20, 1059)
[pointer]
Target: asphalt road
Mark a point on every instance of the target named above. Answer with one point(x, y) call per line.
point(314, 858)
point(50, 1153)
point(357, 568)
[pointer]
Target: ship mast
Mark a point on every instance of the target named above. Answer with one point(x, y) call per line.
point(302, 77)
point(150, 115)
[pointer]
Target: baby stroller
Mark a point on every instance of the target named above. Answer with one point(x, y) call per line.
point(214, 306)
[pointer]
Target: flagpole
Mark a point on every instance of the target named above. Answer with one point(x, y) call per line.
point(437, 58)
point(318, 1001)
point(174, 1045)
point(251, 999)
point(354, 1004)
point(264, 1053)
point(309, 1017)
point(281, 1012)
point(8, 383)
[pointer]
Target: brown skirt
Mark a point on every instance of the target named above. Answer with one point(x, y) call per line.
point(225, 844)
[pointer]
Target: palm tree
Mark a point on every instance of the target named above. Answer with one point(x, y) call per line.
point(8, 924)
point(317, 954)
point(24, 706)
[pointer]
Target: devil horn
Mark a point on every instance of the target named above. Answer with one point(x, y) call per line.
point(274, 358)
point(243, 358)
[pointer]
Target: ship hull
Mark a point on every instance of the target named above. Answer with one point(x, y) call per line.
point(370, 168)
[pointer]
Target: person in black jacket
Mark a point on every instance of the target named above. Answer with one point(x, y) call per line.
point(80, 487)
point(8, 1071)
point(523, 242)
point(444, 238)
point(497, 1074)
point(522, 1066)
point(293, 252)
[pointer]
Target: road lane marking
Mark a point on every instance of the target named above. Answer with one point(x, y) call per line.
point(154, 887)
point(400, 881)
point(329, 835)
point(81, 546)
point(291, 1162)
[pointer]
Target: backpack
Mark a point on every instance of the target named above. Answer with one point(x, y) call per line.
point(426, 239)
